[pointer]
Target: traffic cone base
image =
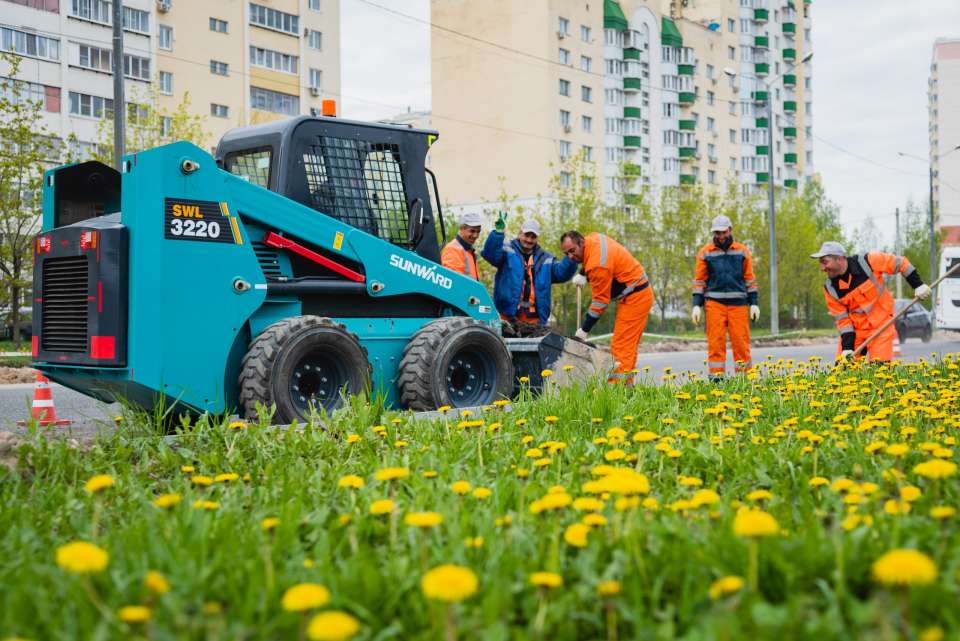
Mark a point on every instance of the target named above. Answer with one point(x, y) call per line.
point(896, 347)
point(43, 411)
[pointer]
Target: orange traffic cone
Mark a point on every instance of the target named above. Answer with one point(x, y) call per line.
point(43, 410)
point(896, 347)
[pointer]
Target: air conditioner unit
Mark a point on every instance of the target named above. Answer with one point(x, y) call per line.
point(314, 91)
point(164, 5)
point(567, 129)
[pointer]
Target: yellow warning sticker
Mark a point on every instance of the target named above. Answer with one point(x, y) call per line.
point(338, 241)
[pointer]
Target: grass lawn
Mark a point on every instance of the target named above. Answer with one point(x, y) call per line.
point(801, 505)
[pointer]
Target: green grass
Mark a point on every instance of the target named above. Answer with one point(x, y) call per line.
point(228, 574)
point(15, 361)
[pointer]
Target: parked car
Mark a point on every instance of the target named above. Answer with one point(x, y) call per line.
point(916, 322)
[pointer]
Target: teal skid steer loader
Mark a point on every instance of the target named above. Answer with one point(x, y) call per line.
point(300, 265)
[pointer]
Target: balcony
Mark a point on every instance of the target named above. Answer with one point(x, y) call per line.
point(790, 106)
point(688, 152)
point(761, 68)
point(685, 70)
point(631, 53)
point(789, 80)
point(631, 142)
point(789, 28)
point(631, 112)
point(761, 15)
point(763, 177)
point(760, 96)
point(790, 132)
point(762, 150)
point(762, 123)
point(789, 55)
point(761, 42)
point(688, 179)
point(790, 158)
point(688, 125)
point(631, 84)
point(790, 183)
point(631, 170)
point(687, 97)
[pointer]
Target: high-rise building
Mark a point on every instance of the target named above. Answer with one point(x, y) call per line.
point(944, 113)
point(655, 92)
point(239, 62)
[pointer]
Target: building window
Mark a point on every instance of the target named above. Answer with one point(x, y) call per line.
point(20, 91)
point(731, 25)
point(711, 124)
point(587, 182)
point(564, 87)
point(29, 44)
point(565, 179)
point(274, 101)
point(136, 67)
point(808, 84)
point(219, 68)
point(315, 40)
point(313, 5)
point(166, 82)
point(586, 93)
point(586, 123)
point(588, 153)
point(733, 108)
point(219, 111)
point(563, 56)
point(711, 98)
point(564, 118)
point(316, 78)
point(96, 10)
point(711, 151)
point(711, 176)
point(94, 58)
point(563, 27)
point(710, 71)
point(165, 37)
point(275, 60)
point(586, 64)
point(732, 53)
point(272, 19)
point(565, 149)
point(585, 33)
point(82, 104)
point(733, 135)
point(166, 125)
point(220, 26)
point(135, 19)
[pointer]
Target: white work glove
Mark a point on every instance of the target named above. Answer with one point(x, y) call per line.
point(697, 314)
point(579, 280)
point(846, 355)
point(582, 335)
point(754, 313)
point(922, 292)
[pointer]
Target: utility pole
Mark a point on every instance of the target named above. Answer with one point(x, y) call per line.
point(119, 103)
point(899, 251)
point(934, 259)
point(772, 223)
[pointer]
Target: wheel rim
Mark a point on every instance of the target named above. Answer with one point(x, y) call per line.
point(470, 378)
point(316, 381)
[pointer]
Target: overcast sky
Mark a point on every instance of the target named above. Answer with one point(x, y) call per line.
point(871, 64)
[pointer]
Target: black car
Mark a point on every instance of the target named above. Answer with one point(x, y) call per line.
point(916, 322)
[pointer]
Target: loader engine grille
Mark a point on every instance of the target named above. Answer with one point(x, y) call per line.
point(268, 259)
point(359, 183)
point(65, 304)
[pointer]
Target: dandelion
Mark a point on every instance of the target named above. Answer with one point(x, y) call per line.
point(724, 586)
point(588, 504)
point(935, 469)
point(941, 512)
point(332, 626)
point(383, 506)
point(226, 477)
point(304, 596)
point(98, 483)
point(551, 419)
point(391, 474)
point(608, 588)
point(576, 535)
point(351, 481)
point(237, 425)
point(156, 582)
point(167, 501)
point(546, 580)
point(904, 567)
point(270, 523)
point(134, 614)
point(449, 583)
point(759, 495)
point(186, 469)
point(423, 519)
point(461, 487)
point(547, 373)
point(206, 505)
point(202, 481)
point(473, 541)
point(482, 493)
point(81, 557)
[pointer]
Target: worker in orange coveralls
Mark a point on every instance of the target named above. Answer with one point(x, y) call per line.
point(459, 254)
point(613, 274)
point(859, 301)
point(724, 280)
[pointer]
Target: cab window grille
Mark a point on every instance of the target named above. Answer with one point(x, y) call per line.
point(359, 183)
point(253, 166)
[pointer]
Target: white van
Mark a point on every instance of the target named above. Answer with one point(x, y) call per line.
point(947, 305)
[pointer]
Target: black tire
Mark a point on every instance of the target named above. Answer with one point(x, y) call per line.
point(301, 362)
point(902, 334)
point(927, 334)
point(454, 361)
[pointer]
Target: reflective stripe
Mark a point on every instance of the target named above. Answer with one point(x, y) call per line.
point(466, 262)
point(742, 367)
point(508, 248)
point(592, 314)
point(603, 250)
point(734, 252)
point(727, 295)
point(909, 271)
point(896, 264)
point(716, 363)
point(830, 290)
point(847, 329)
point(699, 282)
point(43, 402)
point(840, 316)
point(635, 286)
point(548, 261)
point(620, 375)
point(865, 265)
point(598, 304)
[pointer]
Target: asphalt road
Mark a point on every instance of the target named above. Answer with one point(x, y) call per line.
point(89, 416)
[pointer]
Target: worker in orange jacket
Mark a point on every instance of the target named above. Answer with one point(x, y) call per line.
point(724, 283)
point(459, 254)
point(859, 301)
point(613, 274)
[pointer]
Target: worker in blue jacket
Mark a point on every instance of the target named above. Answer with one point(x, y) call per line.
point(525, 273)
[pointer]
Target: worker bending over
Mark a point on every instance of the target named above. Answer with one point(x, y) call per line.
point(459, 254)
point(859, 301)
point(613, 274)
point(724, 283)
point(525, 273)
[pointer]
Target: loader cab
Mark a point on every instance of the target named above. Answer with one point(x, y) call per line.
point(367, 175)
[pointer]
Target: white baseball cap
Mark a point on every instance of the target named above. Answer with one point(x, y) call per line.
point(530, 226)
point(830, 248)
point(721, 223)
point(471, 219)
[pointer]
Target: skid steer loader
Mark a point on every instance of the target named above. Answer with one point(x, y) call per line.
point(301, 263)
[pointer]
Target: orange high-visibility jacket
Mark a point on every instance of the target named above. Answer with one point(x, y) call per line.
point(612, 272)
point(858, 300)
point(457, 257)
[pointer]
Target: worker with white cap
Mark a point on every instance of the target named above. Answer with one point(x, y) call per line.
point(459, 254)
point(858, 299)
point(525, 272)
point(724, 283)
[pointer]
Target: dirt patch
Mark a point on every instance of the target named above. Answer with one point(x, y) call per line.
point(11, 375)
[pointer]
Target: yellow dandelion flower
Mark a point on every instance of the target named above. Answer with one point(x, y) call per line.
point(897, 449)
point(82, 557)
point(904, 567)
point(186, 469)
point(941, 512)
point(226, 477)
point(547, 373)
point(332, 626)
point(449, 583)
point(704, 497)
point(551, 419)
point(461, 487)
point(935, 469)
point(608, 588)
point(353, 438)
point(270, 523)
point(237, 425)
point(201, 480)
point(588, 504)
point(546, 580)
point(576, 535)
point(305, 596)
point(430, 474)
point(910, 493)
point(134, 614)
point(615, 455)
point(391, 474)
point(482, 493)
point(200, 504)
point(156, 582)
point(473, 541)
point(423, 519)
point(759, 495)
point(818, 481)
point(933, 633)
point(97, 483)
point(594, 520)
point(534, 452)
point(724, 586)
point(383, 506)
point(351, 481)
point(754, 524)
point(167, 501)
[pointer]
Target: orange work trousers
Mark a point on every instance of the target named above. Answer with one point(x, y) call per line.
point(721, 320)
point(880, 349)
point(628, 326)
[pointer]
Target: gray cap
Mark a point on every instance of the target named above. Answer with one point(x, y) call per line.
point(530, 226)
point(471, 219)
point(830, 248)
point(721, 223)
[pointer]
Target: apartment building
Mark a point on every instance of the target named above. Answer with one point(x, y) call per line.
point(944, 114)
point(239, 62)
point(655, 92)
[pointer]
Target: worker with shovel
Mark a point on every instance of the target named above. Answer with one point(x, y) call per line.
point(859, 301)
point(614, 274)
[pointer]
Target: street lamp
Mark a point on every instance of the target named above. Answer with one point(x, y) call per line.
point(934, 259)
point(772, 217)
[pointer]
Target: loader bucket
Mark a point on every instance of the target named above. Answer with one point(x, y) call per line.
point(555, 352)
